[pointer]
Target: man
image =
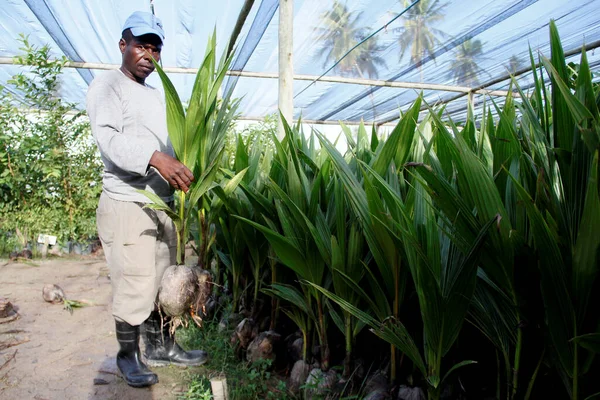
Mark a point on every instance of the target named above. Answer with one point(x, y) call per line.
point(128, 120)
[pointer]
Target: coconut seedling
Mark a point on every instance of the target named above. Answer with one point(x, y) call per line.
point(198, 138)
point(245, 245)
point(387, 274)
point(54, 294)
point(299, 192)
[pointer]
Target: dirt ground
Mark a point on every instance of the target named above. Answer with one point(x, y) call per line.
point(56, 355)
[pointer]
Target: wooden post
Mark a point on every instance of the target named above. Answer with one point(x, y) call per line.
point(286, 66)
point(219, 388)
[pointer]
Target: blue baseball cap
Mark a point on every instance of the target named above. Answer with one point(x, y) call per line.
point(143, 23)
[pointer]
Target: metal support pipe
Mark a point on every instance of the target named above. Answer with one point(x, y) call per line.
point(332, 79)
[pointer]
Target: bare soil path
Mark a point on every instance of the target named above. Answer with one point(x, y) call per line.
point(49, 354)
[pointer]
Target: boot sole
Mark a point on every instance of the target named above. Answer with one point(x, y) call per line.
point(158, 363)
point(137, 385)
point(140, 385)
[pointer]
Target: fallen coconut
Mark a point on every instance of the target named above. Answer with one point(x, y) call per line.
point(53, 293)
point(244, 333)
point(378, 382)
point(410, 393)
point(6, 307)
point(319, 383)
point(298, 375)
point(295, 349)
point(263, 347)
point(377, 395)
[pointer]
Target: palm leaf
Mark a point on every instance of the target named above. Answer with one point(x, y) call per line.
point(392, 331)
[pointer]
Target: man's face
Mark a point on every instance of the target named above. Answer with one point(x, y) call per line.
point(138, 53)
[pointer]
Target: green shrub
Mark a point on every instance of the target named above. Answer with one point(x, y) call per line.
point(50, 172)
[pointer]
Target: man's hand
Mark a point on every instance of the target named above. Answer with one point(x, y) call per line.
point(178, 175)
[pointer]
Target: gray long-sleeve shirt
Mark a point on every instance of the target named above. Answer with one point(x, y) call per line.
point(128, 122)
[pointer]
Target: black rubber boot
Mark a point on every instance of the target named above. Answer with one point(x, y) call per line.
point(129, 361)
point(162, 350)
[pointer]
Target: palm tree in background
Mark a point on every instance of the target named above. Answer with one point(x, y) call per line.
point(368, 59)
point(418, 33)
point(464, 70)
point(338, 33)
point(514, 64)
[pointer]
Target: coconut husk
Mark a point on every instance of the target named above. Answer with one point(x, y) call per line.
point(177, 292)
point(234, 319)
point(6, 307)
point(298, 376)
point(263, 346)
point(319, 383)
point(178, 287)
point(377, 386)
point(27, 254)
point(204, 295)
point(378, 395)
point(244, 333)
point(21, 255)
point(7, 311)
point(230, 320)
point(377, 381)
point(53, 293)
point(410, 393)
point(295, 349)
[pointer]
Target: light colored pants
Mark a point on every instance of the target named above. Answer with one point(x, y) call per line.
point(139, 244)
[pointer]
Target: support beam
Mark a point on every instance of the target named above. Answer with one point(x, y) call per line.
point(481, 88)
point(320, 122)
point(286, 64)
point(241, 118)
point(521, 71)
point(332, 79)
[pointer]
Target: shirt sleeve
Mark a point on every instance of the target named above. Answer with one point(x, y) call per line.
point(129, 153)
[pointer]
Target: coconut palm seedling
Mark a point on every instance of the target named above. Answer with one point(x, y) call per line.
point(247, 248)
point(441, 260)
point(55, 295)
point(198, 138)
point(563, 212)
point(545, 182)
point(299, 186)
point(387, 281)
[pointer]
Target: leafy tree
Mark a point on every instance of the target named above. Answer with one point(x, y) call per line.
point(49, 169)
point(464, 70)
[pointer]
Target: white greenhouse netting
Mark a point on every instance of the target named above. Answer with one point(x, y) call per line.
point(446, 42)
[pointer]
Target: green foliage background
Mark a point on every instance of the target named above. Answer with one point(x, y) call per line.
point(50, 171)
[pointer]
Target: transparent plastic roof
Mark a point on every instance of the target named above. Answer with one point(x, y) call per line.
point(448, 42)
